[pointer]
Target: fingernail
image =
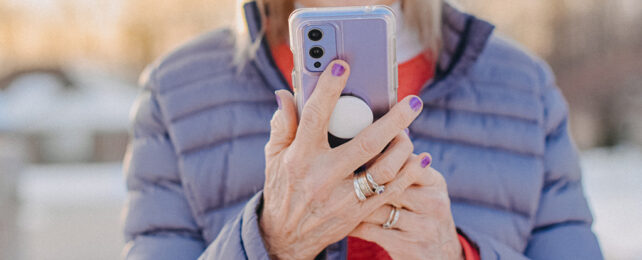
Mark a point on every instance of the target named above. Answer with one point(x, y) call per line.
point(278, 101)
point(407, 131)
point(338, 70)
point(426, 161)
point(415, 103)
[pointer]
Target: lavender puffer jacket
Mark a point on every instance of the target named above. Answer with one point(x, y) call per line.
point(494, 122)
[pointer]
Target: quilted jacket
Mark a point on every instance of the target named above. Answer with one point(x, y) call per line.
point(494, 122)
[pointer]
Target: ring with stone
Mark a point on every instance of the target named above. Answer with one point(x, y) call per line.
point(378, 189)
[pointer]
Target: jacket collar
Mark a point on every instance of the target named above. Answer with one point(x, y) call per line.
point(464, 38)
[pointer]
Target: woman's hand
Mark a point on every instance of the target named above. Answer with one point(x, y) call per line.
point(425, 228)
point(309, 200)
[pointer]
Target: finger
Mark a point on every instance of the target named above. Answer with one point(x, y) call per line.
point(389, 238)
point(428, 176)
point(406, 177)
point(318, 108)
point(407, 220)
point(283, 124)
point(424, 200)
point(386, 166)
point(372, 140)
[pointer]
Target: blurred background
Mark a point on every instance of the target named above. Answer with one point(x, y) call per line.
point(68, 76)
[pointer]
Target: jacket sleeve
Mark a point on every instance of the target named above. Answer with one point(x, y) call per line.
point(158, 220)
point(241, 238)
point(159, 223)
point(562, 228)
point(562, 224)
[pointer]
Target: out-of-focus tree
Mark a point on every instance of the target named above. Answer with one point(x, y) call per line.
point(594, 47)
point(529, 22)
point(151, 28)
point(7, 27)
point(596, 54)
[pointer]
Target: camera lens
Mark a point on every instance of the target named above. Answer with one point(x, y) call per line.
point(316, 52)
point(315, 35)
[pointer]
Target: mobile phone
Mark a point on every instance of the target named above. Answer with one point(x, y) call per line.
point(362, 36)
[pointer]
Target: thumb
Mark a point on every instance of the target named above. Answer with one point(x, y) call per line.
point(283, 125)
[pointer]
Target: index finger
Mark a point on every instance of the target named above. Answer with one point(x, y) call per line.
point(318, 108)
point(372, 140)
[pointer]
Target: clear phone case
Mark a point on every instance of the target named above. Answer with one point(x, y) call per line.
point(364, 37)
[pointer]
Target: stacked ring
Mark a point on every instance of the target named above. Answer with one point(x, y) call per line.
point(357, 189)
point(392, 219)
point(365, 186)
point(377, 188)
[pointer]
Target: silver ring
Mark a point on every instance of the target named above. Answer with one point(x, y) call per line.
point(392, 219)
point(357, 189)
point(365, 186)
point(378, 189)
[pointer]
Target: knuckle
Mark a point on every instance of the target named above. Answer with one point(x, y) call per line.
point(311, 116)
point(274, 121)
point(292, 160)
point(439, 179)
point(386, 173)
point(406, 145)
point(278, 135)
point(413, 176)
point(368, 145)
point(300, 148)
point(270, 150)
point(313, 108)
point(394, 191)
point(415, 172)
point(401, 120)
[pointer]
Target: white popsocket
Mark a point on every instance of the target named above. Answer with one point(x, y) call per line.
point(350, 116)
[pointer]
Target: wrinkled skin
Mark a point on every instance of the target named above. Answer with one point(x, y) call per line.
point(309, 199)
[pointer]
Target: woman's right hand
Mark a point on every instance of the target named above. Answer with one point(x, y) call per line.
point(309, 200)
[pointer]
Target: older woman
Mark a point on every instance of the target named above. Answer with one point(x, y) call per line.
point(214, 172)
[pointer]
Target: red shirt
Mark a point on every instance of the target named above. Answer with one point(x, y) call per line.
point(413, 75)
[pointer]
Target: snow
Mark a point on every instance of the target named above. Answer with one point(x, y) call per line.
point(64, 120)
point(613, 186)
point(38, 102)
point(28, 99)
point(70, 212)
point(72, 185)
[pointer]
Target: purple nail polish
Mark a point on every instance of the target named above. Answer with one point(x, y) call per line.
point(426, 161)
point(415, 103)
point(338, 70)
point(278, 101)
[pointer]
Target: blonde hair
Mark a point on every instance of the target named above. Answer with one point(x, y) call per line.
point(424, 16)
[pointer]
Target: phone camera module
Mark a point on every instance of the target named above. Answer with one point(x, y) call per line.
point(317, 64)
point(315, 35)
point(316, 52)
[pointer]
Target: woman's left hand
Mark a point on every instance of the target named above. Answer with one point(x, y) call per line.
point(425, 228)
